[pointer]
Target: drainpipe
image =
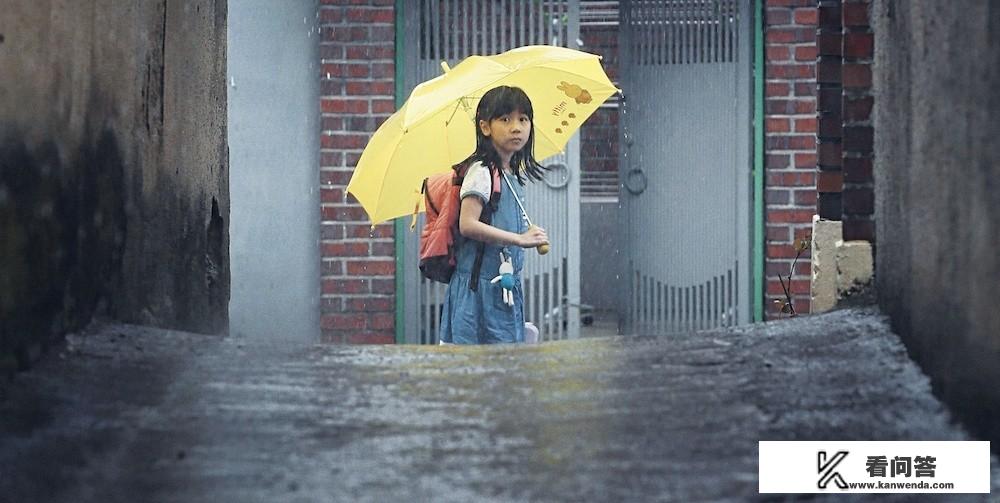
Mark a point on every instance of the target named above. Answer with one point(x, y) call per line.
point(758, 163)
point(399, 226)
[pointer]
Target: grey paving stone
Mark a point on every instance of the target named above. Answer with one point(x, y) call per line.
point(128, 413)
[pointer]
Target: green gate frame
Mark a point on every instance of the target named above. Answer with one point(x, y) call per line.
point(399, 226)
point(758, 286)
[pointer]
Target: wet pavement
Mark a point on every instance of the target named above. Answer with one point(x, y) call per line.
point(125, 413)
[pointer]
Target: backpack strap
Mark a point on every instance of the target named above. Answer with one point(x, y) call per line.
point(416, 207)
point(485, 217)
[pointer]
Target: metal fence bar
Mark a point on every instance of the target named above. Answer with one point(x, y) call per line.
point(522, 24)
point(737, 22)
point(714, 303)
point(729, 295)
point(714, 18)
point(703, 30)
point(736, 287)
point(529, 24)
point(558, 305)
point(659, 306)
point(536, 300)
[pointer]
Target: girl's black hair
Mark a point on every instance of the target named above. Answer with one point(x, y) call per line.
point(498, 102)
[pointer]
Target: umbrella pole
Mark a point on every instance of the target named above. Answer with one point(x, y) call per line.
point(516, 199)
point(542, 248)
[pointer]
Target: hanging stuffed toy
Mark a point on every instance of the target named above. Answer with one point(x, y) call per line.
point(506, 279)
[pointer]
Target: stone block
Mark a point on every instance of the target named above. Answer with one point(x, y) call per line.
point(855, 266)
point(823, 289)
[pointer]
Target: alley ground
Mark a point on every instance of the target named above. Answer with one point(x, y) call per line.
point(124, 413)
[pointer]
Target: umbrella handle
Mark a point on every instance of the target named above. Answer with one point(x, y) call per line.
point(542, 248)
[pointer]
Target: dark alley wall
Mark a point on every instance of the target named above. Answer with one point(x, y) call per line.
point(937, 158)
point(114, 191)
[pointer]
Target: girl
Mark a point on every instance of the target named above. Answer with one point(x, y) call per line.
point(504, 141)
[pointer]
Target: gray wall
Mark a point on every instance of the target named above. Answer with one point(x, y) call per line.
point(599, 260)
point(114, 183)
point(274, 149)
point(937, 176)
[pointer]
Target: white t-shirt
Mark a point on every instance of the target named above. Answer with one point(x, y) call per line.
point(477, 182)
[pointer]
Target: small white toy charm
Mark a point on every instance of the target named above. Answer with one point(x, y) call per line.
point(506, 279)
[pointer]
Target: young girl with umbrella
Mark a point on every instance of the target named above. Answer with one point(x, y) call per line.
point(493, 312)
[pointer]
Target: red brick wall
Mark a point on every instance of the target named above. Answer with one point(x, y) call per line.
point(599, 135)
point(858, 151)
point(356, 95)
point(790, 143)
point(829, 71)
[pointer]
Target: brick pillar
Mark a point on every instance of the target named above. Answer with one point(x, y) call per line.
point(830, 179)
point(356, 95)
point(790, 143)
point(858, 191)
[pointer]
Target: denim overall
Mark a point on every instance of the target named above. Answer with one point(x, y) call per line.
point(481, 317)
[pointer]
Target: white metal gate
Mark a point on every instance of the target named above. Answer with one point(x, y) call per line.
point(450, 30)
point(685, 167)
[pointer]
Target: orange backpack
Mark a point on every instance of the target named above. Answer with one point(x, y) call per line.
point(438, 246)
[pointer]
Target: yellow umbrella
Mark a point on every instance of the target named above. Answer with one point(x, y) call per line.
point(392, 168)
point(435, 129)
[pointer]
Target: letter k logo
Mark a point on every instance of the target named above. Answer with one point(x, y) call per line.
point(826, 469)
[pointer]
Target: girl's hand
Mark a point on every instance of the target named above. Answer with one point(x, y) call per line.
point(533, 237)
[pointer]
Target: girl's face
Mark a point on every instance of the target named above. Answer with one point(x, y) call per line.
point(509, 132)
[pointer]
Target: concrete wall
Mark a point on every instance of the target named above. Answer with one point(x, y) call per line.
point(273, 64)
point(937, 166)
point(114, 183)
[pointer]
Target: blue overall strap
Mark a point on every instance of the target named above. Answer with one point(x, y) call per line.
point(485, 217)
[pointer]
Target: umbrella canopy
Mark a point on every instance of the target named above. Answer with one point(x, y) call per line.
point(435, 129)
